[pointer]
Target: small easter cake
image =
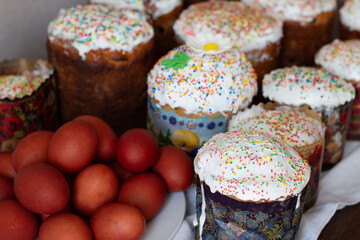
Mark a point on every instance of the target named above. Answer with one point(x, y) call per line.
point(349, 15)
point(342, 58)
point(101, 56)
point(251, 30)
point(249, 186)
point(299, 127)
point(194, 89)
point(307, 26)
point(328, 94)
point(27, 100)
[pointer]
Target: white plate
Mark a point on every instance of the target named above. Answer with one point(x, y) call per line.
point(167, 222)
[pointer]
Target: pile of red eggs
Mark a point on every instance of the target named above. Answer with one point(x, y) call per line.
point(84, 182)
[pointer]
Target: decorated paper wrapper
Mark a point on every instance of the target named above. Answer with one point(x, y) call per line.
point(38, 111)
point(187, 133)
point(337, 121)
point(227, 218)
point(354, 129)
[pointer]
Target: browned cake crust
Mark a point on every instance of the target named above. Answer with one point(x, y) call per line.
point(346, 33)
point(108, 84)
point(301, 41)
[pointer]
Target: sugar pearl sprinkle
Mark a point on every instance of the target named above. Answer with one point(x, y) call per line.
point(18, 86)
point(218, 83)
point(307, 85)
point(248, 27)
point(293, 127)
point(251, 167)
point(96, 26)
point(297, 10)
point(341, 58)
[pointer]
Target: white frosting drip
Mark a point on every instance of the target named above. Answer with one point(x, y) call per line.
point(251, 167)
point(350, 14)
point(94, 27)
point(307, 85)
point(247, 27)
point(341, 58)
point(293, 127)
point(218, 83)
point(162, 7)
point(296, 10)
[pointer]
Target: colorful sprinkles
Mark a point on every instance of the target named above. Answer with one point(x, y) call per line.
point(341, 58)
point(307, 85)
point(18, 86)
point(207, 84)
point(251, 167)
point(292, 126)
point(92, 27)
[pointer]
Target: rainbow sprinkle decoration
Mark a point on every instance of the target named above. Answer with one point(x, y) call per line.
point(18, 86)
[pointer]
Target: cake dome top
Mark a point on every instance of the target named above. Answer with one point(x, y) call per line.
point(307, 85)
point(156, 8)
point(93, 27)
point(248, 27)
point(341, 58)
point(350, 14)
point(296, 10)
point(251, 166)
point(293, 126)
point(202, 83)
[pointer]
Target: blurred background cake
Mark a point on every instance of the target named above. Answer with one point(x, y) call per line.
point(27, 100)
point(349, 16)
point(328, 94)
point(249, 186)
point(299, 127)
point(101, 56)
point(342, 58)
point(252, 30)
point(162, 13)
point(193, 90)
point(307, 26)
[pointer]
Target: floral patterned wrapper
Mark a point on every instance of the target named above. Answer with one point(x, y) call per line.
point(354, 129)
point(337, 122)
point(184, 132)
point(227, 218)
point(38, 111)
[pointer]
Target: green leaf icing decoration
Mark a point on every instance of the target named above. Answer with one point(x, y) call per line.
point(179, 61)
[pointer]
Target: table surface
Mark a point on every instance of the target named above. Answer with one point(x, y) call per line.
point(344, 225)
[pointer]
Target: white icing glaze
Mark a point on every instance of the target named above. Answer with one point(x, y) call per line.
point(341, 58)
point(292, 126)
point(296, 10)
point(251, 167)
point(94, 27)
point(161, 7)
point(350, 14)
point(248, 27)
point(218, 83)
point(307, 85)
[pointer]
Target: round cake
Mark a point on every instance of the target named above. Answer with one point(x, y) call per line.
point(101, 56)
point(326, 93)
point(307, 25)
point(249, 185)
point(163, 14)
point(349, 15)
point(300, 128)
point(193, 91)
point(27, 100)
point(251, 30)
point(342, 58)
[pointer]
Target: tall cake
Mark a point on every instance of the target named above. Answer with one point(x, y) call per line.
point(299, 127)
point(195, 88)
point(101, 57)
point(249, 186)
point(251, 30)
point(307, 26)
point(328, 94)
point(349, 15)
